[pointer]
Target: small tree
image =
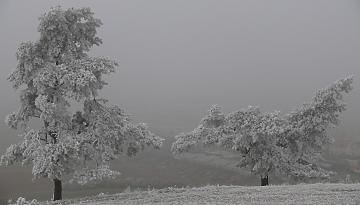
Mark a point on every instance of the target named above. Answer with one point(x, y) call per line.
point(53, 73)
point(268, 142)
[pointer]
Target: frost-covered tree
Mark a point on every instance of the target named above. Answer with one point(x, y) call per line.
point(306, 131)
point(55, 73)
point(269, 143)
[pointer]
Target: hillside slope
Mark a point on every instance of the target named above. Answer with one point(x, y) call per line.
point(289, 194)
point(159, 169)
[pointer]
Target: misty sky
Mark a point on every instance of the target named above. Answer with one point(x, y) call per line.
point(179, 57)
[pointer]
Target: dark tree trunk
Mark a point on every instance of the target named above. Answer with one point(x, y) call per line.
point(57, 182)
point(57, 190)
point(264, 181)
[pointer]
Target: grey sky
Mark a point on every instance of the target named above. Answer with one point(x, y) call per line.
point(179, 57)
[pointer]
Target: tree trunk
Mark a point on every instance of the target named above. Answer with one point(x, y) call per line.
point(52, 134)
point(264, 180)
point(57, 190)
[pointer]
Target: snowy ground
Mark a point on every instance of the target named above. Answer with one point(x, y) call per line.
point(289, 194)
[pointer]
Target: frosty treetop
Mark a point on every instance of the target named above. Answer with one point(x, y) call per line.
point(53, 72)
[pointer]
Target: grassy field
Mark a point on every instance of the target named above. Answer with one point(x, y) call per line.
point(284, 194)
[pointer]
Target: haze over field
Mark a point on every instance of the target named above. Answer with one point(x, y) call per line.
point(178, 58)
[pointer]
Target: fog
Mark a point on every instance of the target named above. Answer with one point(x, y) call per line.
point(177, 58)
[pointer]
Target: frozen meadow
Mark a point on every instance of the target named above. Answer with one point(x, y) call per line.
point(280, 194)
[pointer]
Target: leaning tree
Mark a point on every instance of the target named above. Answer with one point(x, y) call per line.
point(55, 74)
point(269, 143)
